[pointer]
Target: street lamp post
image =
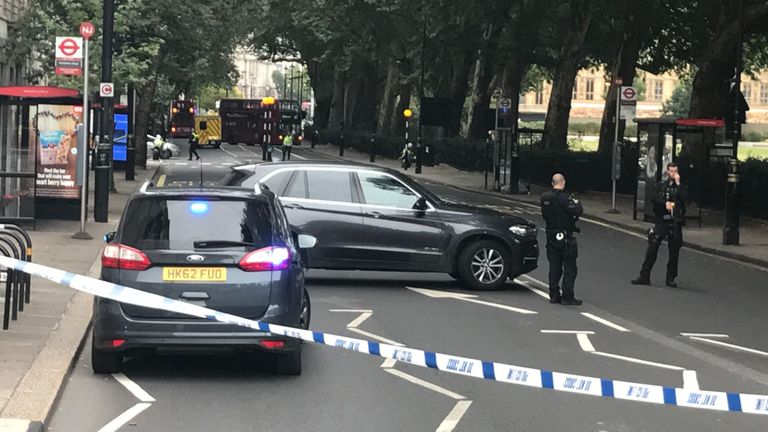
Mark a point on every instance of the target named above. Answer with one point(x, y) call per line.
point(420, 142)
point(104, 147)
point(731, 228)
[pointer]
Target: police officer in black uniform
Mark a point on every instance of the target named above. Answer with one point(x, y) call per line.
point(669, 207)
point(561, 212)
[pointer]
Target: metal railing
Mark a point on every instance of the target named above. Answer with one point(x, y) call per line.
point(15, 243)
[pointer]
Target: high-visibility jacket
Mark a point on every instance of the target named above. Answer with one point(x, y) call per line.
point(288, 141)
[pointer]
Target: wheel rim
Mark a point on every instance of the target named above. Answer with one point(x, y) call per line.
point(487, 265)
point(304, 313)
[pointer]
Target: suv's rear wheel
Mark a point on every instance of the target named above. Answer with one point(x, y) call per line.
point(288, 363)
point(484, 265)
point(306, 310)
point(104, 362)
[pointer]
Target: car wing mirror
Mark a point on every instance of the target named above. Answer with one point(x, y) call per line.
point(108, 237)
point(307, 241)
point(421, 205)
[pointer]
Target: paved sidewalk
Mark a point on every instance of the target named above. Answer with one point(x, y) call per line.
point(708, 237)
point(38, 350)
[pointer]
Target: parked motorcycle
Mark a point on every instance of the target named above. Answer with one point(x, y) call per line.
point(160, 148)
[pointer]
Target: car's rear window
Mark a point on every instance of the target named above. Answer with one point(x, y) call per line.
point(175, 224)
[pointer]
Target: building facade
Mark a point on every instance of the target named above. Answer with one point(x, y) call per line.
point(592, 84)
point(255, 80)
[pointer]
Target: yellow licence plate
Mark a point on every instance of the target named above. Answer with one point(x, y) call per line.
point(195, 274)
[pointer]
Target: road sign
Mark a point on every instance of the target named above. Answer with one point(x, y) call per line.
point(69, 56)
point(87, 30)
point(107, 90)
point(618, 80)
point(505, 102)
point(628, 94)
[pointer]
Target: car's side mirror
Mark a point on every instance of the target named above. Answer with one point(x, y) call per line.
point(421, 205)
point(108, 237)
point(307, 241)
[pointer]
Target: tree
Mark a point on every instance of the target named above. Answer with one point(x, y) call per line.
point(679, 104)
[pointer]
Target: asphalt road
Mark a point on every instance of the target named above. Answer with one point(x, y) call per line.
point(344, 391)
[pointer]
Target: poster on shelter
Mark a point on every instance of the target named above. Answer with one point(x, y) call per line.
point(56, 142)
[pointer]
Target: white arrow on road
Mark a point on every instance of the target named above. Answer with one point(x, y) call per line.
point(468, 298)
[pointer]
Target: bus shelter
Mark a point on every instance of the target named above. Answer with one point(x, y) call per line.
point(38, 153)
point(691, 143)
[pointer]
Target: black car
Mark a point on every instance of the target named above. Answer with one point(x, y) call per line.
point(370, 218)
point(226, 249)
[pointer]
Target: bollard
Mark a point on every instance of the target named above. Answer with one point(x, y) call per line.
point(8, 293)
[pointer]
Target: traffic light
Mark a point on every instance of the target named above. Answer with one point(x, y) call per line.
point(407, 113)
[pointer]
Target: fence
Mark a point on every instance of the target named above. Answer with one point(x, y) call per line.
point(15, 243)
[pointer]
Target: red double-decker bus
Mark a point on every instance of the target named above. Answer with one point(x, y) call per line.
point(182, 118)
point(250, 121)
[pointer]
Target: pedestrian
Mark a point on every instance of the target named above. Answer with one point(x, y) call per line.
point(194, 144)
point(315, 136)
point(561, 212)
point(287, 146)
point(669, 198)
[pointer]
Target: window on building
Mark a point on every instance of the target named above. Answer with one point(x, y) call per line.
point(540, 94)
point(575, 94)
point(589, 92)
point(657, 87)
point(763, 94)
point(746, 90)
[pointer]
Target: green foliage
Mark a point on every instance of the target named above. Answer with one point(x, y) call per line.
point(679, 105)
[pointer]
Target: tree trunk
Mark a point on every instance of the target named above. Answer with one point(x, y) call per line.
point(511, 83)
point(145, 96)
point(459, 86)
point(321, 79)
point(384, 122)
point(624, 66)
point(559, 108)
point(485, 69)
point(337, 105)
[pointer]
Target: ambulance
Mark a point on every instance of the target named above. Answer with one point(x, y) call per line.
point(208, 128)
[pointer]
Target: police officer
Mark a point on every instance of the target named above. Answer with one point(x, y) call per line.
point(668, 201)
point(561, 212)
point(194, 144)
point(287, 146)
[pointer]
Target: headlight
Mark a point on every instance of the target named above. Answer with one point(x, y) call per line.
point(522, 230)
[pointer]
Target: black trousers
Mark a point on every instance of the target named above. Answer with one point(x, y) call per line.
point(287, 152)
point(562, 264)
point(193, 151)
point(673, 233)
point(264, 155)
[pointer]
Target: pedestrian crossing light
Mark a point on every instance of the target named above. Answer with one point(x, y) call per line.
point(407, 113)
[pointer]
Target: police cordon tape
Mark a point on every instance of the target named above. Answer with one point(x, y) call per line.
point(564, 382)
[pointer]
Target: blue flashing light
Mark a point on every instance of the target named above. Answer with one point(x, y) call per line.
point(198, 207)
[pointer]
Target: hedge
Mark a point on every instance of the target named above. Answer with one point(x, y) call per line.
point(585, 171)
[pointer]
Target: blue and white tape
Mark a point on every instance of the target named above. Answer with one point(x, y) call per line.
point(565, 382)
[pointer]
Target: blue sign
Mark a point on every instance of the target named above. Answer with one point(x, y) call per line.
point(120, 138)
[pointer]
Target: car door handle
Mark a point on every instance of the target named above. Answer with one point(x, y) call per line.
point(374, 214)
point(293, 206)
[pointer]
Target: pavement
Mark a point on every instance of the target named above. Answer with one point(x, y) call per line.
point(704, 335)
point(37, 352)
point(753, 247)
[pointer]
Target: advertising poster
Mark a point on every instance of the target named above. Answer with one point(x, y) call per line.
point(56, 144)
point(120, 138)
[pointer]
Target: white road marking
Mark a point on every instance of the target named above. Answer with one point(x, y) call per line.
point(536, 281)
point(246, 149)
point(587, 332)
point(132, 387)
point(374, 336)
point(469, 298)
point(125, 417)
point(454, 417)
point(425, 384)
point(604, 322)
point(585, 343)
point(228, 152)
point(638, 361)
point(533, 290)
point(180, 163)
point(350, 310)
point(705, 335)
point(690, 380)
point(359, 320)
point(388, 363)
point(732, 346)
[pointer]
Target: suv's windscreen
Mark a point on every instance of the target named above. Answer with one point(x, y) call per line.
point(158, 223)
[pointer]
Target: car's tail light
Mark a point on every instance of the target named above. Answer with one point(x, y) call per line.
point(273, 344)
point(117, 343)
point(122, 257)
point(268, 258)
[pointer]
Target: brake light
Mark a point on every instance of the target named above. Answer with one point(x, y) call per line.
point(272, 344)
point(117, 343)
point(268, 258)
point(122, 257)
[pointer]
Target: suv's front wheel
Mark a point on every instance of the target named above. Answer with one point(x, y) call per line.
point(484, 265)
